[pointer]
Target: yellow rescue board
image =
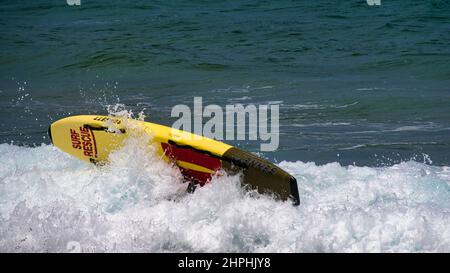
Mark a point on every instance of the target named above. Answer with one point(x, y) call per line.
point(92, 138)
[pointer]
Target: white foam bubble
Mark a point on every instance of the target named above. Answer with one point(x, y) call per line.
point(52, 202)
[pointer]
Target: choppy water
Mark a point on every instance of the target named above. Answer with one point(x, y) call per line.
point(357, 86)
point(51, 202)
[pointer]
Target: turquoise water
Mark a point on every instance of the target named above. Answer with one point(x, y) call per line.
point(356, 83)
point(364, 96)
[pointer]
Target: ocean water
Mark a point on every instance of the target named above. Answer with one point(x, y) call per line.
point(54, 203)
point(364, 96)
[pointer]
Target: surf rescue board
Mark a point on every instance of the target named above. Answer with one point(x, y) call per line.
point(92, 138)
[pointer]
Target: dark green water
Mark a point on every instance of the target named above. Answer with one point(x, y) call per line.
point(356, 83)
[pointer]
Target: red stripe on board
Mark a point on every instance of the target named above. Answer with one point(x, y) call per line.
point(191, 156)
point(196, 176)
point(194, 157)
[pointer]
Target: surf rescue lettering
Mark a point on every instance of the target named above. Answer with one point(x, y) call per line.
point(75, 137)
point(83, 140)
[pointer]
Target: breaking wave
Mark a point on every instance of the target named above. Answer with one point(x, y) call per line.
point(51, 202)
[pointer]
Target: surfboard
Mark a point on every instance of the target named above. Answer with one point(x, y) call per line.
point(92, 138)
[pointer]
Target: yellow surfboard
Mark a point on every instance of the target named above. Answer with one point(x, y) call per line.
point(92, 138)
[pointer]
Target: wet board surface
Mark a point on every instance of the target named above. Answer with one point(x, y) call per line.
point(92, 138)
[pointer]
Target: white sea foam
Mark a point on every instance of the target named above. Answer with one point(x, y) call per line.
point(52, 202)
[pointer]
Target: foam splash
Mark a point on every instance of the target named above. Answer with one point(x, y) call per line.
point(50, 202)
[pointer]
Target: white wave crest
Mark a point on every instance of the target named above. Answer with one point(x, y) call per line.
point(50, 202)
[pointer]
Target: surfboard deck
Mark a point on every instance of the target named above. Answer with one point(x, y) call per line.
point(92, 138)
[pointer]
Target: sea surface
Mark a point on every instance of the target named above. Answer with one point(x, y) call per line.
point(364, 97)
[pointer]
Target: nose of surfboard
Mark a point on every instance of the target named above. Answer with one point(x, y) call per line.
point(91, 139)
point(88, 138)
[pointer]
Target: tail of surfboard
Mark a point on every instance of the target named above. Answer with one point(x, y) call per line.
point(93, 138)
